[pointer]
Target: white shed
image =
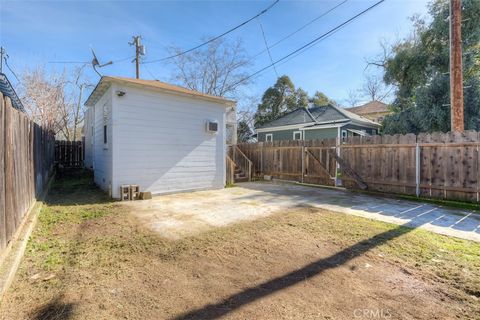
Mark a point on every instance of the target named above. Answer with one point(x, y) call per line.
point(156, 135)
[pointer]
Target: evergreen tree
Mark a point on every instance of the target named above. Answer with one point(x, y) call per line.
point(418, 67)
point(282, 98)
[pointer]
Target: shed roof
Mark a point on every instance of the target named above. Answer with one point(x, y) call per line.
point(6, 89)
point(106, 81)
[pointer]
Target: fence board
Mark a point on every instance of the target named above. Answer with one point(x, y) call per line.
point(3, 230)
point(25, 154)
point(9, 176)
point(449, 163)
point(69, 154)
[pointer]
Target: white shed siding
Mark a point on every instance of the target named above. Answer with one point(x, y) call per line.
point(87, 133)
point(102, 154)
point(160, 142)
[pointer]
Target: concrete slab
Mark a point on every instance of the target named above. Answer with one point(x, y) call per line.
point(178, 215)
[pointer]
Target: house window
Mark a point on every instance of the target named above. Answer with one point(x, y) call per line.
point(374, 131)
point(105, 134)
point(269, 137)
point(297, 135)
point(344, 134)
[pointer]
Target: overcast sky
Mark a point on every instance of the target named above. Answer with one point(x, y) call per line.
point(39, 32)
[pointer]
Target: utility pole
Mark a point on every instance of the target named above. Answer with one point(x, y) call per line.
point(139, 50)
point(2, 52)
point(456, 70)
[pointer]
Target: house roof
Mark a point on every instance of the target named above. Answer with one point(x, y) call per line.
point(317, 114)
point(106, 81)
point(6, 89)
point(370, 107)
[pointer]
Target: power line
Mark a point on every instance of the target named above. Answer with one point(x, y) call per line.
point(313, 42)
point(124, 59)
point(69, 62)
point(301, 28)
point(8, 66)
point(89, 62)
point(215, 38)
point(305, 49)
point(266, 46)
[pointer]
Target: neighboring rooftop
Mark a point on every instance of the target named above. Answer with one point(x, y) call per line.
point(6, 89)
point(369, 108)
point(105, 82)
point(317, 114)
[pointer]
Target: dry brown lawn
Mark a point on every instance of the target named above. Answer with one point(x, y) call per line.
point(90, 259)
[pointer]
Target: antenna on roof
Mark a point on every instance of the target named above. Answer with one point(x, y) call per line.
point(96, 63)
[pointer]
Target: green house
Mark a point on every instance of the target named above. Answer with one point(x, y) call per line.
point(319, 122)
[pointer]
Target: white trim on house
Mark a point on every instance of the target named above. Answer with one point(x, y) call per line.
point(316, 127)
point(359, 132)
point(357, 118)
point(300, 126)
point(334, 121)
point(269, 135)
point(363, 124)
point(297, 132)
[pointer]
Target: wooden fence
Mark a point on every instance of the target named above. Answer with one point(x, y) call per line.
point(69, 154)
point(436, 165)
point(26, 164)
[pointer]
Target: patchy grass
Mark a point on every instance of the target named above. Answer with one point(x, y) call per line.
point(89, 258)
point(454, 261)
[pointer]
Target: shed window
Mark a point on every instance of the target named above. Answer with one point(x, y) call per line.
point(105, 123)
point(297, 135)
point(105, 134)
point(269, 137)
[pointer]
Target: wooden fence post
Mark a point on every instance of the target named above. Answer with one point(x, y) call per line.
point(337, 166)
point(261, 159)
point(417, 169)
point(303, 159)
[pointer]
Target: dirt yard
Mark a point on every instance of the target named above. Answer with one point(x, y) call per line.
point(90, 258)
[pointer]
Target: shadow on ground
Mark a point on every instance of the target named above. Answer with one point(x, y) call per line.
point(55, 310)
point(250, 295)
point(75, 187)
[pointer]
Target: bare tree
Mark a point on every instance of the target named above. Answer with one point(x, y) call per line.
point(353, 98)
point(54, 100)
point(381, 59)
point(76, 111)
point(43, 97)
point(374, 88)
point(220, 69)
